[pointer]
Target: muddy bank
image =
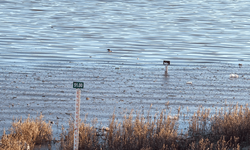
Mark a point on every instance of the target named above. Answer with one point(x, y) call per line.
point(47, 89)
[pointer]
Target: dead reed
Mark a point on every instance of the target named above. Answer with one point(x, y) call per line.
point(131, 134)
point(88, 137)
point(25, 135)
point(226, 129)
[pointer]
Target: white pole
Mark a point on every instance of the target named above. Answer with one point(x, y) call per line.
point(77, 119)
point(166, 69)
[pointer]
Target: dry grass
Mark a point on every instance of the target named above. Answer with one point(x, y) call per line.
point(130, 134)
point(88, 137)
point(226, 129)
point(27, 134)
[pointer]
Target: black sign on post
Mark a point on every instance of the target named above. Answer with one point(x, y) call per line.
point(78, 85)
point(166, 62)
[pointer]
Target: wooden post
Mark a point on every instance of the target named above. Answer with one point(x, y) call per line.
point(166, 63)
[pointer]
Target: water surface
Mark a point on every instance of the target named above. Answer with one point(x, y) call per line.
point(139, 32)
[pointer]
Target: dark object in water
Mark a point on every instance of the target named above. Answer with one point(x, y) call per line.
point(166, 63)
point(109, 50)
point(240, 65)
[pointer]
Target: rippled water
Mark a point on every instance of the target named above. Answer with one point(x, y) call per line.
point(139, 32)
point(56, 42)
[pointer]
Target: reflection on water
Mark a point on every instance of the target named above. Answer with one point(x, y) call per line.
point(139, 32)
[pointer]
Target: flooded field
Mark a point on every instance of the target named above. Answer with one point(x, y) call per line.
point(48, 89)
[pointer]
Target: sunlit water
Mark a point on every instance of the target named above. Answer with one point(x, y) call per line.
point(139, 32)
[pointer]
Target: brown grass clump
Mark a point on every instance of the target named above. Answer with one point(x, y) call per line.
point(141, 133)
point(27, 134)
point(131, 133)
point(88, 137)
point(226, 129)
point(223, 131)
point(234, 125)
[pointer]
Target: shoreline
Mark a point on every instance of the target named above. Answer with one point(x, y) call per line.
point(222, 131)
point(48, 90)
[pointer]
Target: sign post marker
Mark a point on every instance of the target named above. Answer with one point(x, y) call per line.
point(166, 63)
point(78, 86)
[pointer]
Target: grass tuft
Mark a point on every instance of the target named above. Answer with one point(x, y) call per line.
point(27, 134)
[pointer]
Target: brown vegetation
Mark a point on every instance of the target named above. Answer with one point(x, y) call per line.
point(27, 134)
point(226, 129)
